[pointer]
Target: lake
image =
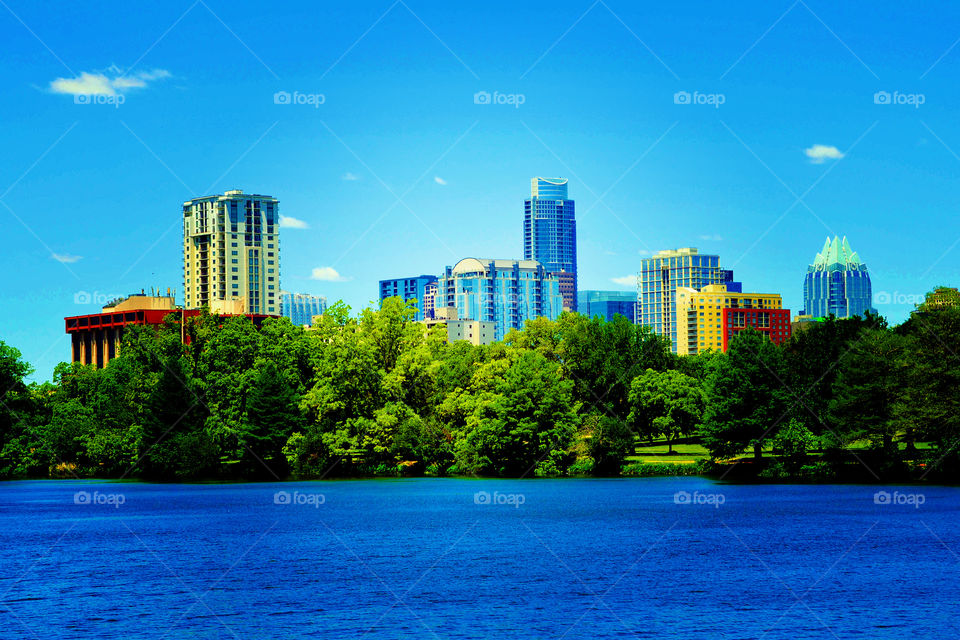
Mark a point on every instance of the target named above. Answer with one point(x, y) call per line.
point(450, 558)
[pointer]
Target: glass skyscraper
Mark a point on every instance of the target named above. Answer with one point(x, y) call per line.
point(663, 273)
point(550, 234)
point(837, 283)
point(608, 304)
point(301, 307)
point(413, 288)
point(505, 292)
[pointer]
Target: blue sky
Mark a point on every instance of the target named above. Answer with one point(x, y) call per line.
point(399, 172)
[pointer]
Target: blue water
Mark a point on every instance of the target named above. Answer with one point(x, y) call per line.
point(565, 559)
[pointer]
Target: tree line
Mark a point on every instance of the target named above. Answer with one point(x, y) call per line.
point(379, 394)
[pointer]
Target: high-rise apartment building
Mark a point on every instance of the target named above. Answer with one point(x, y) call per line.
point(505, 292)
point(413, 288)
point(709, 318)
point(231, 253)
point(301, 307)
point(662, 274)
point(837, 283)
point(550, 234)
point(608, 304)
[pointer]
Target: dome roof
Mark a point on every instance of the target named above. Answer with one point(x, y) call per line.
point(468, 265)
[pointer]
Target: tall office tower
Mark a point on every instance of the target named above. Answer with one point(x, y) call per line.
point(413, 288)
point(550, 234)
point(505, 292)
point(231, 253)
point(663, 273)
point(301, 307)
point(837, 283)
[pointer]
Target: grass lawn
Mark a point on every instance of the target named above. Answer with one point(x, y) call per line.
point(657, 453)
point(689, 453)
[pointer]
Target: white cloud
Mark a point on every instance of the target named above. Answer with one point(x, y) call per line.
point(328, 274)
point(350, 177)
point(820, 153)
point(644, 252)
point(66, 258)
point(626, 281)
point(712, 238)
point(100, 84)
point(439, 180)
point(292, 223)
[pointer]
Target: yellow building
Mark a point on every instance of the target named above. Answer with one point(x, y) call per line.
point(941, 298)
point(700, 316)
point(231, 253)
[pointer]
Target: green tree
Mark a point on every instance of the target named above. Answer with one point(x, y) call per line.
point(813, 359)
point(867, 390)
point(17, 439)
point(665, 404)
point(929, 405)
point(174, 444)
point(272, 416)
point(518, 415)
point(745, 397)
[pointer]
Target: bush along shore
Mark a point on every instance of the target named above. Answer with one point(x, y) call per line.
point(377, 394)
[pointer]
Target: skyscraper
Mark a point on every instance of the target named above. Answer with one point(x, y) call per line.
point(413, 288)
point(607, 304)
point(505, 292)
point(837, 283)
point(550, 234)
point(663, 273)
point(231, 253)
point(301, 307)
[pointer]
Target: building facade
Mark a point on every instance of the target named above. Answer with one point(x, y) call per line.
point(95, 338)
point(231, 253)
point(664, 273)
point(476, 332)
point(709, 318)
point(837, 283)
point(775, 323)
point(504, 292)
point(940, 298)
point(301, 307)
point(550, 234)
point(413, 288)
point(608, 304)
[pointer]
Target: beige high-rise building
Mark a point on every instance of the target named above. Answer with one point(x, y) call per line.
point(231, 253)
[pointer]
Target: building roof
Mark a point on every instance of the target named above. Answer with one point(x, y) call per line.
point(837, 251)
point(470, 265)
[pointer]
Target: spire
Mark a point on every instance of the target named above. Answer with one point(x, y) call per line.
point(836, 251)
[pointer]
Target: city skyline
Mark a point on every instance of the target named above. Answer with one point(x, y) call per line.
point(841, 145)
